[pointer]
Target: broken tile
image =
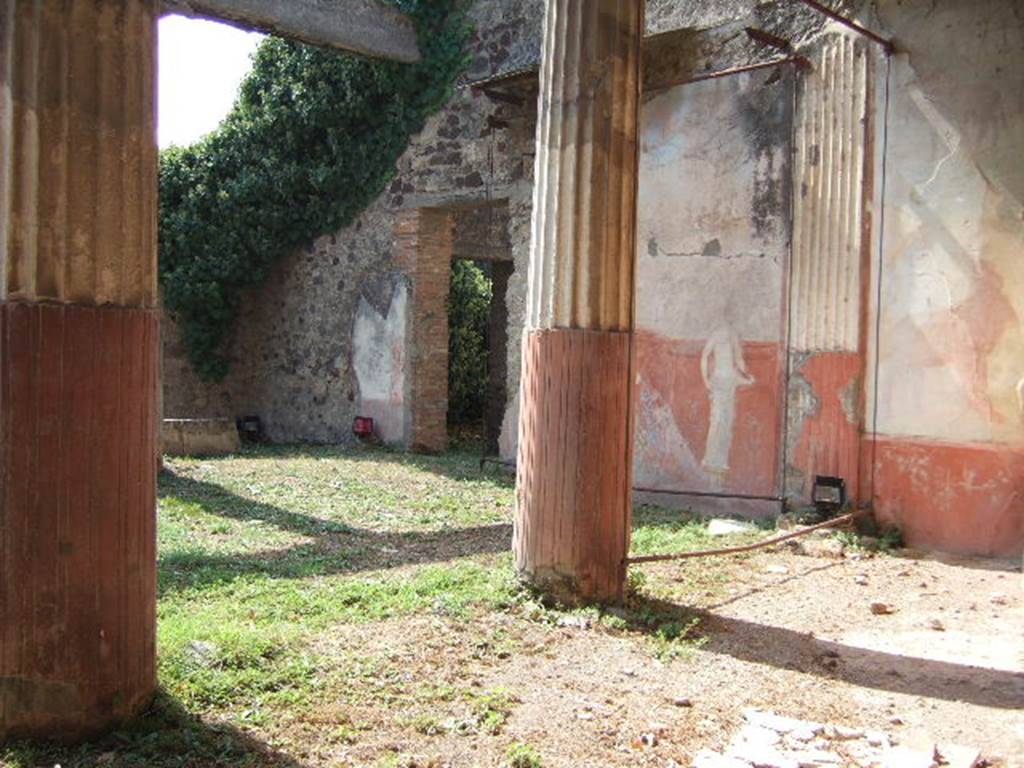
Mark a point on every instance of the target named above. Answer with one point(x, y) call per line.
point(957, 756)
point(904, 757)
point(762, 756)
point(708, 759)
point(779, 723)
point(816, 757)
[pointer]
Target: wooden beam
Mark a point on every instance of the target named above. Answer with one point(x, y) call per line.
point(366, 27)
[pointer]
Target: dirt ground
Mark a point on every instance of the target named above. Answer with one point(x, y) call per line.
point(789, 633)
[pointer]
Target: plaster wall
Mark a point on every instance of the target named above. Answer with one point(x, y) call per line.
point(949, 460)
point(378, 360)
point(713, 250)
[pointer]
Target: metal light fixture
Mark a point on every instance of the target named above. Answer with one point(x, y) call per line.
point(362, 426)
point(829, 493)
point(251, 428)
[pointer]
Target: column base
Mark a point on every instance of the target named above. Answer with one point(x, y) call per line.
point(574, 509)
point(77, 518)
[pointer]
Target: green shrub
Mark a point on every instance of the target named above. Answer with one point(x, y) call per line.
point(311, 140)
point(469, 303)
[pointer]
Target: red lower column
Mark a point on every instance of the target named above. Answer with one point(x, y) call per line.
point(77, 517)
point(573, 486)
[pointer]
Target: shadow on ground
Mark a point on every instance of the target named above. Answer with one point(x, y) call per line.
point(454, 464)
point(802, 652)
point(165, 736)
point(336, 548)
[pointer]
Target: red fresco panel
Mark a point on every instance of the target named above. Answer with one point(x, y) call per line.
point(964, 498)
point(676, 442)
point(829, 439)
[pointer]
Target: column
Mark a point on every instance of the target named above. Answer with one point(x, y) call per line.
point(423, 251)
point(575, 437)
point(78, 364)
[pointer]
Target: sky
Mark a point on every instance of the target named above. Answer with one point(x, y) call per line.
point(201, 66)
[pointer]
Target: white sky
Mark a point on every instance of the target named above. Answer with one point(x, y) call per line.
point(201, 66)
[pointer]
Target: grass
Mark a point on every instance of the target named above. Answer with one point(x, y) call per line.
point(523, 756)
point(266, 555)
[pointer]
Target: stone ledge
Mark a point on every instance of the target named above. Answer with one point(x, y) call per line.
point(199, 437)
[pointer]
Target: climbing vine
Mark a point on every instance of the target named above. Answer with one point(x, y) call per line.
point(312, 139)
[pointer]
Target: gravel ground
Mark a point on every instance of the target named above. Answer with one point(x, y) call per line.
point(791, 634)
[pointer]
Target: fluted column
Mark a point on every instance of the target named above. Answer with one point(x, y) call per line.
point(573, 485)
point(78, 364)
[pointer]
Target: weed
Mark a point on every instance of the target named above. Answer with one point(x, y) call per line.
point(492, 709)
point(523, 756)
point(888, 539)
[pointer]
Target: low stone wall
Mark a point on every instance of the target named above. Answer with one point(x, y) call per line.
point(199, 437)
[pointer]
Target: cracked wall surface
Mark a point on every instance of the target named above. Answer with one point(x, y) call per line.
point(949, 458)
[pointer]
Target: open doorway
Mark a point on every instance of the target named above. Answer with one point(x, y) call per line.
point(477, 326)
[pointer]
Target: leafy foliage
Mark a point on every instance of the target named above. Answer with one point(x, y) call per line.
point(311, 140)
point(469, 303)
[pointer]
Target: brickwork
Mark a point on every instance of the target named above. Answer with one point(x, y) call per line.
point(423, 251)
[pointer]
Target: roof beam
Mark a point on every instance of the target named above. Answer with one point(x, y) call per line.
point(366, 27)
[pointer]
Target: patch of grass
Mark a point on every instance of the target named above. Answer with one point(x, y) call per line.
point(657, 530)
point(492, 709)
point(264, 555)
point(523, 756)
point(166, 735)
point(885, 540)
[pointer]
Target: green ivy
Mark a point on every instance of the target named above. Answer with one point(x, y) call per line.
point(469, 307)
point(312, 139)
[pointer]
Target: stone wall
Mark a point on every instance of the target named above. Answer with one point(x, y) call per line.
point(292, 356)
point(292, 353)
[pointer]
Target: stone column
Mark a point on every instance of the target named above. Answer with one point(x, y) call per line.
point(78, 364)
point(575, 436)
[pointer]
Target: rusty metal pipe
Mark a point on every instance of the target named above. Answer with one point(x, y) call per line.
point(887, 45)
point(710, 494)
point(799, 61)
point(842, 519)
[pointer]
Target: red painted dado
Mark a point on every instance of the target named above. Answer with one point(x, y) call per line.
point(962, 498)
point(673, 406)
point(77, 517)
point(829, 438)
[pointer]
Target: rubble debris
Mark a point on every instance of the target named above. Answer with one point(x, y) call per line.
point(769, 740)
point(821, 547)
point(904, 757)
point(721, 526)
point(957, 756)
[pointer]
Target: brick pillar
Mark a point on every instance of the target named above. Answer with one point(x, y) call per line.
point(78, 364)
point(575, 448)
point(423, 251)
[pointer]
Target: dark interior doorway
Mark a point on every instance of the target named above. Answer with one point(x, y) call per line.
point(477, 352)
point(481, 265)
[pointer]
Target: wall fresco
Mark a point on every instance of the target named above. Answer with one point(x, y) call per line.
point(713, 248)
point(378, 360)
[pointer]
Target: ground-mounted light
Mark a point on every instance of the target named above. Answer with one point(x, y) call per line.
point(362, 426)
point(828, 494)
point(250, 428)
